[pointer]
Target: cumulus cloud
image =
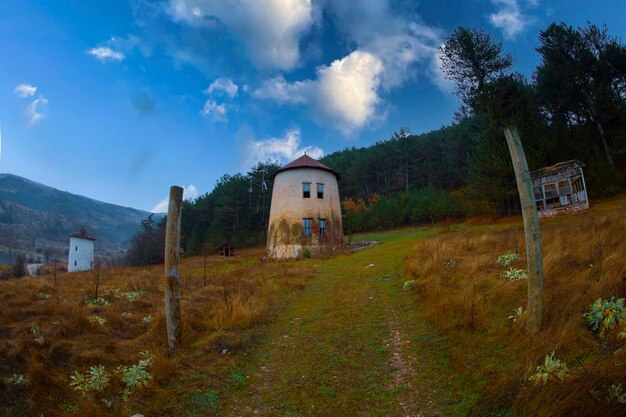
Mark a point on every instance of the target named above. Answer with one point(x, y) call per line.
point(283, 149)
point(34, 111)
point(509, 17)
point(270, 30)
point(223, 86)
point(344, 94)
point(104, 53)
point(215, 112)
point(25, 90)
point(398, 42)
point(189, 193)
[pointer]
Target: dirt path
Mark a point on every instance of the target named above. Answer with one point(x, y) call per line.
point(346, 347)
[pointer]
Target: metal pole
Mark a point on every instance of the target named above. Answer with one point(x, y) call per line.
point(172, 271)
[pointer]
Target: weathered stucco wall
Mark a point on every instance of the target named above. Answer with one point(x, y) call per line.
point(80, 255)
point(285, 238)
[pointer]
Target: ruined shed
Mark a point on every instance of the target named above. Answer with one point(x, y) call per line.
point(560, 188)
point(226, 249)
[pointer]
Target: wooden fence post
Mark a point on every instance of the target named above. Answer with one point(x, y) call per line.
point(534, 257)
point(172, 272)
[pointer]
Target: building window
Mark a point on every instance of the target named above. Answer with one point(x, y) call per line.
point(320, 190)
point(321, 223)
point(306, 229)
point(306, 190)
point(74, 263)
point(76, 248)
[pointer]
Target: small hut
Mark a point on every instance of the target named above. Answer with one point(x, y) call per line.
point(226, 249)
point(560, 188)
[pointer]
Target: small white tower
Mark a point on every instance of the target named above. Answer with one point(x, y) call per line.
point(81, 251)
point(306, 213)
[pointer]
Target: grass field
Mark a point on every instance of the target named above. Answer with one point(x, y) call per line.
point(417, 325)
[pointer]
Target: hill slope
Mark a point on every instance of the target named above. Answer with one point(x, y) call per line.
point(36, 218)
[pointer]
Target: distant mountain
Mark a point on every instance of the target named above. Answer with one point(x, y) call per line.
point(36, 220)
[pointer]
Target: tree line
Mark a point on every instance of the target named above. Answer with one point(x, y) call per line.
point(573, 106)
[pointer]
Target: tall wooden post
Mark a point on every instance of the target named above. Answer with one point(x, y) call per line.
point(534, 257)
point(172, 272)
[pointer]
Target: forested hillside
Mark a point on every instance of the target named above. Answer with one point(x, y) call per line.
point(572, 107)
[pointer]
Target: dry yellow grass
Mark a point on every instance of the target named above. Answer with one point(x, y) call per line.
point(460, 290)
point(46, 336)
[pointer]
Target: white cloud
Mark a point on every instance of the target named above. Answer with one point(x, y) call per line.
point(189, 193)
point(509, 17)
point(283, 149)
point(270, 29)
point(215, 112)
point(223, 85)
point(436, 73)
point(25, 90)
point(104, 53)
point(344, 95)
point(34, 110)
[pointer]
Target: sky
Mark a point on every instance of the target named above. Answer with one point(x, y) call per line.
point(117, 100)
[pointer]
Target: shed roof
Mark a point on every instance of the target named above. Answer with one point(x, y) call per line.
point(224, 243)
point(83, 234)
point(305, 161)
point(556, 168)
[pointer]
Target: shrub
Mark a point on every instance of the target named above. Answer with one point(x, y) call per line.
point(515, 274)
point(306, 254)
point(606, 315)
point(551, 367)
point(508, 258)
point(96, 379)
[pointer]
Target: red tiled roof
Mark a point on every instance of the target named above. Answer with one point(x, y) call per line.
point(83, 234)
point(305, 161)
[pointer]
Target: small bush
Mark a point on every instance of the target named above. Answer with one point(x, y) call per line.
point(607, 315)
point(508, 258)
point(306, 254)
point(551, 367)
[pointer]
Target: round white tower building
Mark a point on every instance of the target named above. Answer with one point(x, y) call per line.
point(305, 213)
point(81, 251)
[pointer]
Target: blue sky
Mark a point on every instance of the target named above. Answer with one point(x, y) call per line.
point(119, 99)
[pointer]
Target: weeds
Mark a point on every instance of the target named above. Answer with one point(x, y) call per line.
point(96, 379)
point(508, 258)
point(96, 302)
point(136, 376)
point(135, 295)
point(515, 274)
point(518, 314)
point(551, 368)
point(96, 319)
point(17, 379)
point(607, 315)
